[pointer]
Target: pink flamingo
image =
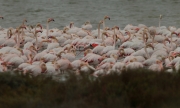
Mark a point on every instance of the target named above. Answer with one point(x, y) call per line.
point(87, 25)
point(156, 67)
point(47, 26)
point(64, 65)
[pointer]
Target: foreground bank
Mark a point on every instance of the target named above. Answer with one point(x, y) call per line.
point(131, 89)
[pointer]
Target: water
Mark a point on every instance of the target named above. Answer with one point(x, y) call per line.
point(122, 12)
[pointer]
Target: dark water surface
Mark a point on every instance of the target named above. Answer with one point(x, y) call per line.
point(122, 12)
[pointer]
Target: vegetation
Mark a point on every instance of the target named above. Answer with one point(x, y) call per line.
point(131, 89)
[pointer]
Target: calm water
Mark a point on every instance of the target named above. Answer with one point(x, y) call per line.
point(122, 12)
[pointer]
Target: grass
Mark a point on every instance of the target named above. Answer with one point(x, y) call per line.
point(132, 89)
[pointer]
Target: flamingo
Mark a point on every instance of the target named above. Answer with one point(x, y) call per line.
point(119, 67)
point(85, 68)
point(113, 58)
point(105, 66)
point(87, 26)
point(3, 67)
point(105, 17)
point(70, 55)
point(54, 43)
point(156, 67)
point(92, 58)
point(49, 57)
point(35, 69)
point(64, 65)
point(52, 68)
point(47, 26)
point(133, 64)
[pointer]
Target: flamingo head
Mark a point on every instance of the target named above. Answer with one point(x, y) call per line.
point(121, 52)
point(65, 29)
point(1, 17)
point(150, 45)
point(24, 21)
point(32, 48)
point(107, 17)
point(127, 32)
point(101, 22)
point(107, 28)
point(176, 54)
point(37, 31)
point(137, 29)
point(71, 24)
point(87, 22)
point(167, 39)
point(116, 27)
point(52, 37)
point(22, 27)
point(105, 33)
point(43, 67)
point(4, 64)
point(42, 59)
point(47, 40)
point(152, 31)
point(102, 57)
point(50, 19)
point(39, 25)
point(87, 51)
point(175, 33)
point(84, 64)
point(31, 26)
point(158, 62)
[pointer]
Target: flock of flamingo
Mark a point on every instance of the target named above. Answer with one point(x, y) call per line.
point(37, 50)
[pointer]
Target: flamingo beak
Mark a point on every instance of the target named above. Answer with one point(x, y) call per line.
point(4, 63)
point(50, 19)
point(2, 17)
point(167, 40)
point(176, 33)
point(137, 29)
point(40, 26)
point(38, 31)
point(117, 27)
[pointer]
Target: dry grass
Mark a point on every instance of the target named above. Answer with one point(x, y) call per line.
point(131, 89)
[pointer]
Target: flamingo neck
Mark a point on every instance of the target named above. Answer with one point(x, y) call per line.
point(153, 41)
point(160, 66)
point(18, 40)
point(114, 41)
point(171, 41)
point(147, 54)
point(99, 31)
point(104, 24)
point(144, 38)
point(30, 59)
point(102, 36)
point(8, 34)
point(35, 34)
point(47, 30)
point(129, 34)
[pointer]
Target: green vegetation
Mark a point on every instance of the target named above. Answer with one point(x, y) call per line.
point(131, 89)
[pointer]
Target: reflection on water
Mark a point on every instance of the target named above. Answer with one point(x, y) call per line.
point(122, 12)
